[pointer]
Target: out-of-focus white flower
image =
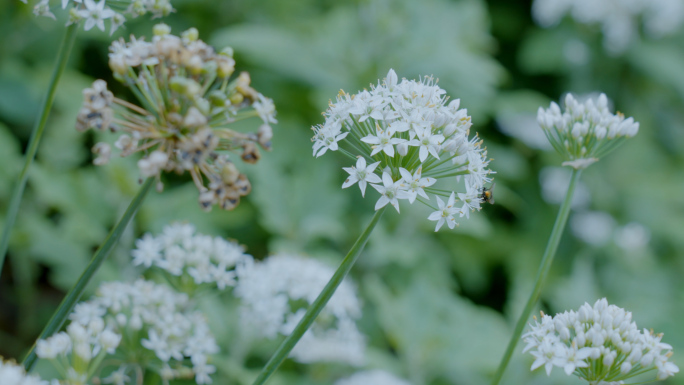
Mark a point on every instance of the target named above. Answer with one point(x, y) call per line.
point(13, 374)
point(632, 236)
point(372, 377)
point(95, 13)
point(619, 19)
point(179, 250)
point(275, 294)
point(554, 183)
point(600, 344)
point(148, 316)
point(584, 132)
point(407, 125)
point(593, 227)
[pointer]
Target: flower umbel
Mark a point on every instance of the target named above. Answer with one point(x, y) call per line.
point(187, 105)
point(600, 344)
point(585, 132)
point(180, 252)
point(143, 325)
point(95, 13)
point(13, 374)
point(411, 138)
point(275, 294)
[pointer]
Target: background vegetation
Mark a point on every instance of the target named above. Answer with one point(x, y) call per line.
point(439, 307)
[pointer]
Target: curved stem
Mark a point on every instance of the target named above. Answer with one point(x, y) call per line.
point(544, 268)
point(100, 255)
point(36, 134)
point(312, 312)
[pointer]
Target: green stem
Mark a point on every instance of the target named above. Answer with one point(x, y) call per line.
point(312, 312)
point(36, 134)
point(74, 294)
point(544, 268)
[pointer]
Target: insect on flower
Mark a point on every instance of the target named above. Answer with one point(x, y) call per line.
point(487, 195)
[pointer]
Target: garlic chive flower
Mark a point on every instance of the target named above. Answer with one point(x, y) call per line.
point(585, 132)
point(96, 12)
point(408, 141)
point(143, 326)
point(187, 104)
point(78, 352)
point(13, 374)
point(274, 296)
point(190, 259)
point(600, 344)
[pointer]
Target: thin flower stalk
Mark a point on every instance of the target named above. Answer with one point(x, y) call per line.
point(544, 268)
point(69, 302)
point(36, 136)
point(317, 306)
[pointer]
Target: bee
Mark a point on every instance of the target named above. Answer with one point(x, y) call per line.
point(487, 195)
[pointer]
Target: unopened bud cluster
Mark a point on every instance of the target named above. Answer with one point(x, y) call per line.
point(585, 132)
point(187, 104)
point(600, 344)
point(405, 138)
point(95, 13)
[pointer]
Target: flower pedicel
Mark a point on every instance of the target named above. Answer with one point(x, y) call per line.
point(405, 139)
point(187, 104)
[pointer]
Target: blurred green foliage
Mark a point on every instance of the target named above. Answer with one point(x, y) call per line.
point(438, 307)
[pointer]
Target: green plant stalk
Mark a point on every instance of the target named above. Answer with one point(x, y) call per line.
point(36, 134)
point(100, 255)
point(544, 268)
point(312, 312)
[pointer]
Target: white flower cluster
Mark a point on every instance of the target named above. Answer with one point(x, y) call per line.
point(584, 132)
point(188, 104)
point(407, 138)
point(95, 13)
point(179, 250)
point(372, 377)
point(13, 374)
point(275, 294)
point(599, 343)
point(153, 317)
point(82, 346)
point(618, 18)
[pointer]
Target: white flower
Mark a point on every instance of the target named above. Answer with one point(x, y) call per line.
point(362, 174)
point(14, 374)
point(274, 296)
point(117, 377)
point(382, 141)
point(153, 164)
point(415, 183)
point(412, 126)
point(391, 192)
point(265, 108)
point(42, 8)
point(326, 138)
point(445, 213)
point(180, 250)
point(95, 14)
point(427, 142)
point(589, 341)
